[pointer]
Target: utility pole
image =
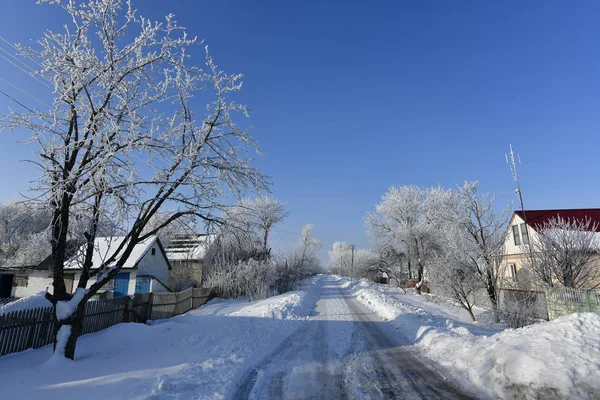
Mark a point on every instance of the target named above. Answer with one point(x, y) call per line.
point(352, 264)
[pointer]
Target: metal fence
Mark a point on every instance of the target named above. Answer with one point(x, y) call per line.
point(34, 327)
point(564, 301)
point(554, 302)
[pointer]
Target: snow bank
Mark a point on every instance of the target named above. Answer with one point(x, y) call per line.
point(557, 359)
point(198, 355)
point(296, 304)
point(34, 301)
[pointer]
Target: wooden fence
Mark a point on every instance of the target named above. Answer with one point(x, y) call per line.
point(34, 327)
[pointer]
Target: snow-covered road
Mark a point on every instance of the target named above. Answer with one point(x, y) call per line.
point(344, 350)
point(329, 339)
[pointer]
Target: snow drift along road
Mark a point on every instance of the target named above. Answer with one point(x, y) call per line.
point(559, 359)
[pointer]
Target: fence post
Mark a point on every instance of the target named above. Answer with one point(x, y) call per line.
point(46, 327)
point(149, 306)
point(128, 306)
point(32, 326)
point(587, 295)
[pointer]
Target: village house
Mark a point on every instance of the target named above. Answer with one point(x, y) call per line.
point(520, 235)
point(185, 254)
point(146, 270)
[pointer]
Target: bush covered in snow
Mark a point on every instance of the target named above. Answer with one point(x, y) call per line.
point(249, 278)
point(238, 265)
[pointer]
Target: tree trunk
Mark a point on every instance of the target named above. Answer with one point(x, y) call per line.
point(420, 277)
point(471, 314)
point(265, 239)
point(66, 340)
point(494, 300)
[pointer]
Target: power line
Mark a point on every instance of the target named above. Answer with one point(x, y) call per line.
point(27, 72)
point(24, 92)
point(16, 48)
point(16, 101)
point(16, 59)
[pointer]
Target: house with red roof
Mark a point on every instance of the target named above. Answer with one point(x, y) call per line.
point(523, 229)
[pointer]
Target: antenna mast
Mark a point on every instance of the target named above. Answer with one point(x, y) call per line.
point(513, 159)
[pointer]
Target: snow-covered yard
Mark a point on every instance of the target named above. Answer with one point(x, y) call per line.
point(548, 360)
point(196, 355)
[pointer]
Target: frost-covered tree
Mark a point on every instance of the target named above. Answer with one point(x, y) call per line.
point(454, 278)
point(186, 225)
point(293, 266)
point(261, 214)
point(565, 252)
point(453, 273)
point(393, 261)
point(242, 268)
point(340, 257)
point(237, 239)
point(470, 233)
point(123, 140)
point(401, 220)
point(346, 261)
point(483, 231)
point(23, 234)
point(306, 250)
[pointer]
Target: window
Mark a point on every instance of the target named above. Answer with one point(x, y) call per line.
point(512, 269)
point(153, 251)
point(21, 280)
point(524, 234)
point(516, 236)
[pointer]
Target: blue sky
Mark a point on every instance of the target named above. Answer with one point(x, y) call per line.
point(353, 97)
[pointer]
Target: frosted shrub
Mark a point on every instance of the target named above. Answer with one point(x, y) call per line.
point(251, 279)
point(258, 279)
point(518, 309)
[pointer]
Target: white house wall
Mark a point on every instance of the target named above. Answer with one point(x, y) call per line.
point(155, 265)
point(157, 287)
point(509, 243)
point(38, 281)
point(130, 288)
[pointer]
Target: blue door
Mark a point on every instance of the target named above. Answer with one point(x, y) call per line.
point(121, 284)
point(142, 284)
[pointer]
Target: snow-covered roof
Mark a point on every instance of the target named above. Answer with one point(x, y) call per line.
point(105, 247)
point(188, 247)
point(37, 300)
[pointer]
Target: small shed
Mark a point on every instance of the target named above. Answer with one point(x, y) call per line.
point(383, 277)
